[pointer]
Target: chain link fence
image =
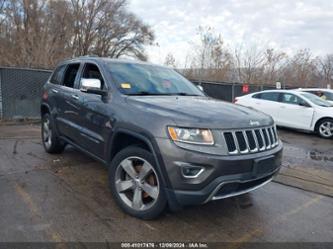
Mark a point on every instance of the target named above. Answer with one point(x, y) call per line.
point(20, 91)
point(229, 91)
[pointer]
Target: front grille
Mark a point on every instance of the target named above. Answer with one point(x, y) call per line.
point(250, 140)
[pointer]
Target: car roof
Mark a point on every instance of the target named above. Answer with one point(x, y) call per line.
point(296, 92)
point(107, 60)
point(314, 89)
point(278, 91)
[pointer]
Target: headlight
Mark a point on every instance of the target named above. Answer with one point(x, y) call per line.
point(193, 136)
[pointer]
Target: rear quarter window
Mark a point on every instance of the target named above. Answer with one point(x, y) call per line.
point(58, 75)
point(270, 96)
point(267, 96)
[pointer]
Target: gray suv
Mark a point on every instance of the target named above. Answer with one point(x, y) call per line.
point(165, 142)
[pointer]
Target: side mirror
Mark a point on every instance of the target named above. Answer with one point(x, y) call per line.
point(200, 87)
point(92, 86)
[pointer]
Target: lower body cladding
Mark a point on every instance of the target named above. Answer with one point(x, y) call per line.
point(197, 178)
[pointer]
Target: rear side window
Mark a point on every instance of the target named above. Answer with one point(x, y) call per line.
point(270, 96)
point(58, 75)
point(70, 74)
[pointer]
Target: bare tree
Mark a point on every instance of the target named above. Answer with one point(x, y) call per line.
point(249, 64)
point(38, 33)
point(105, 28)
point(170, 60)
point(326, 68)
point(301, 69)
point(211, 59)
point(273, 61)
point(2, 7)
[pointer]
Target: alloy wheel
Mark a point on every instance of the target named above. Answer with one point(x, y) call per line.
point(47, 133)
point(137, 183)
point(326, 129)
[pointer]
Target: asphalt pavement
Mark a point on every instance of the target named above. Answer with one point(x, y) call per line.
point(66, 198)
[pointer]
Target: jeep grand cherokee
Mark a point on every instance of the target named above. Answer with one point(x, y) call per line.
point(163, 140)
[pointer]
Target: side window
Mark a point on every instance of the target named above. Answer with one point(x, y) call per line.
point(271, 96)
point(91, 71)
point(257, 96)
point(58, 74)
point(289, 98)
point(70, 74)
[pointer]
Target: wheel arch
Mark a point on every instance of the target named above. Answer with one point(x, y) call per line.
point(142, 140)
point(318, 122)
point(44, 108)
point(149, 141)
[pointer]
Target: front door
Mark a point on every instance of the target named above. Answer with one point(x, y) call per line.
point(94, 120)
point(295, 112)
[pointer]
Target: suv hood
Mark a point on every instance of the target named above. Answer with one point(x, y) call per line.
point(201, 112)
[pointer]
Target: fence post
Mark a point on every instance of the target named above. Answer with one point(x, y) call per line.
point(0, 94)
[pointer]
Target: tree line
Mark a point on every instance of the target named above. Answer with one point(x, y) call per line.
point(38, 33)
point(211, 59)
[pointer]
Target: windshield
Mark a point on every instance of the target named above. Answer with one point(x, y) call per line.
point(139, 79)
point(316, 100)
point(328, 95)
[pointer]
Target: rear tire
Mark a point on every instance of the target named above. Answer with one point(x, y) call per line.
point(51, 142)
point(324, 128)
point(136, 184)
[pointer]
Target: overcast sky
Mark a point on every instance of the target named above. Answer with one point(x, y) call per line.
point(284, 24)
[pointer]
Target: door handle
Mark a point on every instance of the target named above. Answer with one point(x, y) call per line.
point(75, 97)
point(55, 91)
point(282, 107)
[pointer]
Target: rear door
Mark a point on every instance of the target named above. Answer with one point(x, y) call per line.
point(54, 91)
point(295, 112)
point(67, 103)
point(267, 102)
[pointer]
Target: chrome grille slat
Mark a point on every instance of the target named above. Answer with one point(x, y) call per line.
point(273, 135)
point(247, 141)
point(269, 139)
point(255, 140)
point(263, 139)
point(235, 141)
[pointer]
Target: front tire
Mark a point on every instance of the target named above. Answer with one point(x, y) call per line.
point(136, 184)
point(324, 128)
point(51, 142)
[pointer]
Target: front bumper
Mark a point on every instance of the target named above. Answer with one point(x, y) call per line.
point(223, 177)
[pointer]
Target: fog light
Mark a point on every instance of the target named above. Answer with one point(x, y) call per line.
point(191, 171)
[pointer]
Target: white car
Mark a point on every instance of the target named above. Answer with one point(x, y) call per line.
point(294, 109)
point(327, 93)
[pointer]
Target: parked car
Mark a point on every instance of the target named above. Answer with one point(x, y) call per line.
point(164, 142)
point(326, 94)
point(294, 109)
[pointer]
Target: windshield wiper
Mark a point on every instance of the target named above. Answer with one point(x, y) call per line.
point(185, 94)
point(145, 93)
